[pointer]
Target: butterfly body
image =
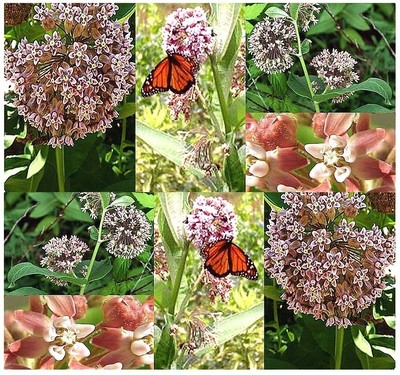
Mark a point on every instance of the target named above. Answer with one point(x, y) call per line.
point(174, 73)
point(224, 258)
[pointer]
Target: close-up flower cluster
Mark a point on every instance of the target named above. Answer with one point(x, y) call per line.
point(212, 219)
point(327, 264)
point(47, 335)
point(69, 84)
point(354, 155)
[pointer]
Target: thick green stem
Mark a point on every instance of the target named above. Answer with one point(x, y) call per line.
point(93, 259)
point(276, 320)
point(303, 65)
point(339, 339)
point(122, 144)
point(178, 278)
point(221, 97)
point(60, 168)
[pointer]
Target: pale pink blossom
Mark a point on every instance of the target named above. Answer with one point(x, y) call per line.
point(268, 169)
point(347, 157)
point(52, 337)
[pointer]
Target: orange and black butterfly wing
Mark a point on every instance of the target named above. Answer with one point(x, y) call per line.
point(182, 72)
point(158, 79)
point(240, 263)
point(217, 261)
point(224, 258)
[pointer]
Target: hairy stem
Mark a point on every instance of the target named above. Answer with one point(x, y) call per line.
point(221, 97)
point(122, 144)
point(339, 339)
point(178, 278)
point(60, 168)
point(96, 249)
point(305, 71)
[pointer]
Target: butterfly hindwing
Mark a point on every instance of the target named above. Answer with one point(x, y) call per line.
point(175, 73)
point(224, 258)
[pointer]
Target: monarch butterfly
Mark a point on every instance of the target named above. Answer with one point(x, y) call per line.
point(175, 73)
point(224, 258)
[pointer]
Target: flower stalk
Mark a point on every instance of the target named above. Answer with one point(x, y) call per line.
point(339, 339)
point(60, 168)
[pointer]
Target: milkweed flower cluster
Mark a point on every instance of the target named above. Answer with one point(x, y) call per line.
point(186, 32)
point(307, 14)
point(63, 255)
point(270, 44)
point(326, 264)
point(47, 337)
point(336, 70)
point(128, 232)
point(92, 203)
point(212, 219)
point(69, 84)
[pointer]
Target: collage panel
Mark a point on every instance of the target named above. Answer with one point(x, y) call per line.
point(190, 97)
point(330, 281)
point(78, 243)
point(320, 57)
point(320, 152)
point(69, 99)
point(79, 332)
point(208, 294)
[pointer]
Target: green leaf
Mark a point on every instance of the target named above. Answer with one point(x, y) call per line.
point(165, 353)
point(124, 12)
point(233, 171)
point(145, 199)
point(162, 294)
point(274, 200)
point(360, 341)
point(127, 110)
point(275, 12)
point(38, 162)
point(26, 291)
point(254, 10)
point(100, 269)
point(279, 84)
point(294, 10)
point(299, 85)
point(224, 19)
point(120, 268)
point(372, 108)
point(94, 233)
point(44, 208)
point(273, 293)
point(26, 269)
point(305, 46)
point(354, 36)
point(375, 85)
point(175, 209)
point(123, 201)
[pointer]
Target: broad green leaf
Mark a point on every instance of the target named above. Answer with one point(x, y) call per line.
point(100, 269)
point(254, 10)
point(275, 12)
point(120, 268)
point(272, 292)
point(234, 171)
point(122, 201)
point(274, 200)
point(44, 208)
point(27, 269)
point(124, 12)
point(175, 209)
point(224, 19)
point(294, 10)
point(9, 140)
point(165, 353)
point(299, 85)
point(372, 108)
point(145, 199)
point(162, 294)
point(279, 84)
point(127, 110)
point(305, 46)
point(354, 36)
point(360, 341)
point(375, 85)
point(26, 291)
point(38, 162)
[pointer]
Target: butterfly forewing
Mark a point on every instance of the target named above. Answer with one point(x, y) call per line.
point(175, 73)
point(224, 258)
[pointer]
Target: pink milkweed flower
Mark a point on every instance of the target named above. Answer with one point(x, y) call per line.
point(76, 365)
point(130, 348)
point(56, 336)
point(268, 169)
point(343, 156)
